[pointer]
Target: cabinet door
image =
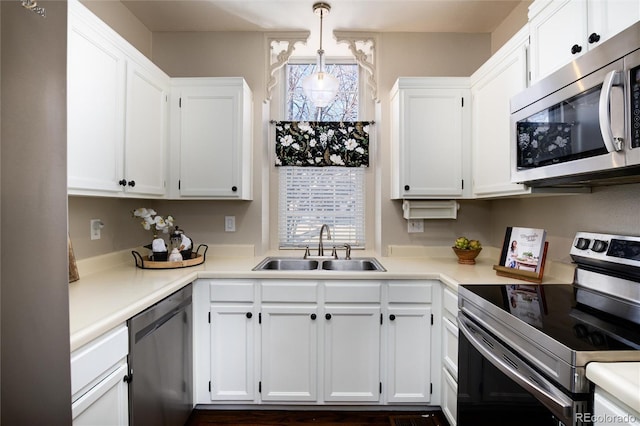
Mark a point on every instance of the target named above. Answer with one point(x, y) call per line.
point(449, 397)
point(352, 353)
point(106, 404)
point(554, 32)
point(95, 109)
point(607, 18)
point(491, 128)
point(232, 352)
point(409, 354)
point(289, 353)
point(431, 139)
point(211, 124)
point(146, 130)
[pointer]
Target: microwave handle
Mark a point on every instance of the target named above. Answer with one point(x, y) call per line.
point(612, 143)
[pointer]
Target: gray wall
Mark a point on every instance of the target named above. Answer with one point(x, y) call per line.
point(35, 303)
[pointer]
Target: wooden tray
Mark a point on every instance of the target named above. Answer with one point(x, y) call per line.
point(143, 262)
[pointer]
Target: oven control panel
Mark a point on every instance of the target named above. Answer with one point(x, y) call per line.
point(606, 247)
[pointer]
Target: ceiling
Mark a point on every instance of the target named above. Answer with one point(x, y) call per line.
point(465, 16)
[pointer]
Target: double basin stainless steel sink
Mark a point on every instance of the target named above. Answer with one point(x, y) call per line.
point(330, 264)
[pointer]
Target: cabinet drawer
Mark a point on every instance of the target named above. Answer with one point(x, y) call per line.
point(410, 292)
point(450, 302)
point(232, 291)
point(96, 359)
point(352, 291)
point(290, 291)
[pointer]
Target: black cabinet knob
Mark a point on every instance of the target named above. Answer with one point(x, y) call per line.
point(234, 188)
point(392, 317)
point(131, 183)
point(407, 187)
point(576, 49)
point(313, 316)
point(328, 316)
point(594, 38)
point(249, 315)
point(122, 182)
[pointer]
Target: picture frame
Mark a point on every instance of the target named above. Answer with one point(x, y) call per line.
point(523, 254)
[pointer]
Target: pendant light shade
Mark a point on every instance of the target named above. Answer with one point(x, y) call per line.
point(320, 87)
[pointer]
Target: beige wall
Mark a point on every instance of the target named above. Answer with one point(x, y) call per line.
point(118, 17)
point(511, 25)
point(36, 384)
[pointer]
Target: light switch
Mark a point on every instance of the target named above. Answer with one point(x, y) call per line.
point(229, 224)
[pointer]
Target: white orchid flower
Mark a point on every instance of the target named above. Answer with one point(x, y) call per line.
point(141, 212)
point(146, 225)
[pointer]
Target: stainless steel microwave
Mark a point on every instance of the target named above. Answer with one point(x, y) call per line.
point(581, 125)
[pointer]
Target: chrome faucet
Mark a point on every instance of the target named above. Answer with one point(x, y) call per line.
point(320, 245)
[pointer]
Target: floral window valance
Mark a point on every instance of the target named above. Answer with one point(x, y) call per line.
point(322, 143)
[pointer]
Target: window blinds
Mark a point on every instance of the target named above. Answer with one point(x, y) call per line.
point(313, 196)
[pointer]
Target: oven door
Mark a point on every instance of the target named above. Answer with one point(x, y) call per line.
point(497, 387)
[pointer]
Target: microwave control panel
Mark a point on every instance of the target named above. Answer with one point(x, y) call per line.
point(635, 106)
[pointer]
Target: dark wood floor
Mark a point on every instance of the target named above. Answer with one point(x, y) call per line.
point(317, 418)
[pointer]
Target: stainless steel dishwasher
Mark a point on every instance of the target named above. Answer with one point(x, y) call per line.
point(160, 362)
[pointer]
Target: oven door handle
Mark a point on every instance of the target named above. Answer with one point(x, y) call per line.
point(612, 142)
point(509, 364)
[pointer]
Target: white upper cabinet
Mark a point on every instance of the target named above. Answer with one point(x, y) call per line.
point(430, 138)
point(492, 86)
point(211, 138)
point(562, 30)
point(117, 104)
point(146, 130)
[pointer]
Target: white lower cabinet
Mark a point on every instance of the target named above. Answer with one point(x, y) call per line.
point(307, 342)
point(289, 337)
point(232, 336)
point(449, 355)
point(99, 391)
point(607, 410)
point(409, 323)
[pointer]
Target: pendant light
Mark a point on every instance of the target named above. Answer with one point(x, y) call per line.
point(320, 87)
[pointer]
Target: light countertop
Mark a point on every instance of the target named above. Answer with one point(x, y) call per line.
point(112, 289)
point(620, 379)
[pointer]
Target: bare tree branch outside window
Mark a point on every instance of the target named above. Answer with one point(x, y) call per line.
point(343, 108)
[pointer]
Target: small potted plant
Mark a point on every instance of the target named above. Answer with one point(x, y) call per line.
point(466, 250)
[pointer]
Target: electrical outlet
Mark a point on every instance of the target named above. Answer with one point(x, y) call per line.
point(415, 225)
point(229, 224)
point(95, 228)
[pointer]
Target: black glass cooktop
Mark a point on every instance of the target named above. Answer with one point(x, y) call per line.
point(553, 310)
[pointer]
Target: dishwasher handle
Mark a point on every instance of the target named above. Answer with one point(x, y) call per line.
point(508, 363)
point(156, 324)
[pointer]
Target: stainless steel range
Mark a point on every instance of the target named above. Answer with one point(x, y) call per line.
point(524, 348)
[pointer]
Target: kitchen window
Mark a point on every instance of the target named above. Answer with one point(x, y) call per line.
point(313, 196)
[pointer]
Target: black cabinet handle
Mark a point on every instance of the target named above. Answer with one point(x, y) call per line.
point(122, 182)
point(249, 315)
point(328, 316)
point(313, 316)
point(234, 188)
point(132, 183)
point(407, 187)
point(594, 38)
point(576, 49)
point(392, 317)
